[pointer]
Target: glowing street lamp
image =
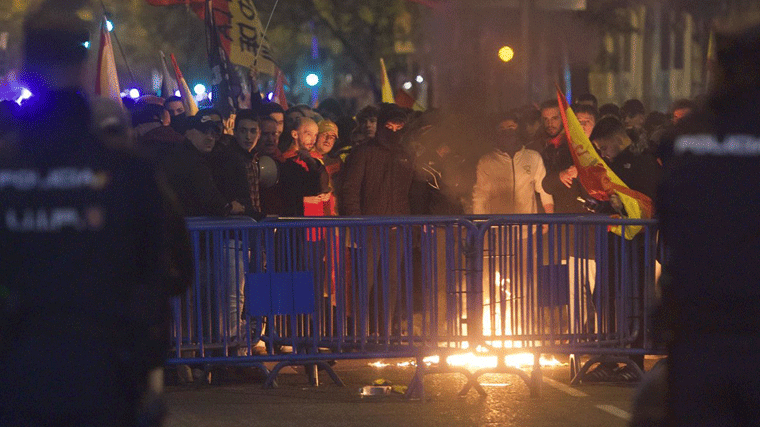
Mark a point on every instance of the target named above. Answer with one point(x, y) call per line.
point(506, 53)
point(312, 80)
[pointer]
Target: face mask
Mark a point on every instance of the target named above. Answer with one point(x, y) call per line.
point(386, 135)
point(507, 140)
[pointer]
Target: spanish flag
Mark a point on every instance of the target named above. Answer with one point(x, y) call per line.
point(387, 92)
point(279, 90)
point(106, 79)
point(187, 97)
point(406, 100)
point(596, 176)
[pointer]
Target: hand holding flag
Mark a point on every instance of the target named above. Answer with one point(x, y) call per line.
point(191, 108)
point(596, 176)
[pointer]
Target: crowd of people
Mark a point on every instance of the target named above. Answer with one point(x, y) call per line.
point(384, 160)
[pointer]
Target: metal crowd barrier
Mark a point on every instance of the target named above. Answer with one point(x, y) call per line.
point(307, 291)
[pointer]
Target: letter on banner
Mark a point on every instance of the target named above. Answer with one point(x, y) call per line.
point(247, 36)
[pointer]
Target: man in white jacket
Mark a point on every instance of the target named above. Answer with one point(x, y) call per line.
point(509, 176)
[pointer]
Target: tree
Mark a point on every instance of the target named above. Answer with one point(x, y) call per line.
point(357, 33)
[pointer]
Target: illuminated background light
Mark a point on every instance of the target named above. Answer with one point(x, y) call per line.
point(25, 94)
point(506, 53)
point(109, 26)
point(177, 93)
point(312, 80)
point(420, 79)
point(86, 45)
point(199, 89)
point(408, 85)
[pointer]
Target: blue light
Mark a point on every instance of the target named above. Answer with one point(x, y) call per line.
point(25, 94)
point(134, 93)
point(177, 93)
point(86, 45)
point(312, 80)
point(199, 89)
point(270, 96)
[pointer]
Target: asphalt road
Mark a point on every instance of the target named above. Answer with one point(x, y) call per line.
point(238, 402)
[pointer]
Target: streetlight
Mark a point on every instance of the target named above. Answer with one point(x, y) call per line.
point(506, 53)
point(312, 80)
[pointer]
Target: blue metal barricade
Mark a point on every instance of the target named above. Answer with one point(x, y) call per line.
point(320, 289)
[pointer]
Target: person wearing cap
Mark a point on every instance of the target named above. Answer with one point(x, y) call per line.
point(186, 168)
point(633, 114)
point(111, 124)
point(326, 140)
point(325, 204)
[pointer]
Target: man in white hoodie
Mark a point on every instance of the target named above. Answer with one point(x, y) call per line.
point(509, 176)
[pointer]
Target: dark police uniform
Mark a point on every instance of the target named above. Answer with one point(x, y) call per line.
point(90, 253)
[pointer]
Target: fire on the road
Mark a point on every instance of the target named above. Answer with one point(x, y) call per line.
point(478, 361)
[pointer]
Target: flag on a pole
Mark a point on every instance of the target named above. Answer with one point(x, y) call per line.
point(596, 176)
point(386, 89)
point(712, 59)
point(187, 97)
point(248, 45)
point(106, 79)
point(406, 100)
point(239, 27)
point(279, 90)
point(224, 99)
point(169, 86)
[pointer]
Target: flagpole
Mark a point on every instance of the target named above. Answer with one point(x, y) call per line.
point(264, 34)
point(118, 43)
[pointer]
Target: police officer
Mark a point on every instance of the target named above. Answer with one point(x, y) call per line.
point(89, 251)
point(711, 226)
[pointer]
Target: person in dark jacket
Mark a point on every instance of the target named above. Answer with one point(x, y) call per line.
point(235, 168)
point(91, 252)
point(378, 181)
point(379, 174)
point(561, 179)
point(184, 164)
point(638, 170)
point(710, 224)
point(304, 177)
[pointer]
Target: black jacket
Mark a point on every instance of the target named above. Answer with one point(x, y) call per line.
point(638, 171)
point(228, 168)
point(302, 176)
point(91, 247)
point(378, 180)
point(188, 175)
point(556, 160)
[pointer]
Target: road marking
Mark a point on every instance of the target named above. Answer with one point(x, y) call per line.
point(615, 411)
point(567, 389)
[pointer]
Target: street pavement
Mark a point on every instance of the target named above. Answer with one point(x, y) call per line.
point(237, 402)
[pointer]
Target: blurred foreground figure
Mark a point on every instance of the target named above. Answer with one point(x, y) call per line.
point(711, 225)
point(89, 253)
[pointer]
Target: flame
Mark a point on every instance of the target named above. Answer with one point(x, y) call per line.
point(474, 361)
point(379, 364)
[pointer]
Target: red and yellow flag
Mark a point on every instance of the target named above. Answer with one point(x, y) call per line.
point(106, 79)
point(187, 97)
point(279, 90)
point(406, 100)
point(596, 176)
